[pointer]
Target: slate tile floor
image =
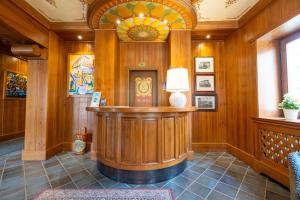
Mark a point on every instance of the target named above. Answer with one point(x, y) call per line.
point(211, 176)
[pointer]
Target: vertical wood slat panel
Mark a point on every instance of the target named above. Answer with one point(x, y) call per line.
point(12, 111)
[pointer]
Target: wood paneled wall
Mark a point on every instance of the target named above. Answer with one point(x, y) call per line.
point(75, 115)
point(12, 111)
point(153, 55)
point(241, 73)
point(209, 128)
point(45, 104)
point(106, 61)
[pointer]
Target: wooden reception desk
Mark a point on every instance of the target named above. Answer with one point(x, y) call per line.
point(142, 144)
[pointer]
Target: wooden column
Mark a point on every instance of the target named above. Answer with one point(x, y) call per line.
point(45, 103)
point(106, 61)
point(180, 56)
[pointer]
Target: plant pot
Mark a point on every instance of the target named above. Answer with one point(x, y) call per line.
point(291, 114)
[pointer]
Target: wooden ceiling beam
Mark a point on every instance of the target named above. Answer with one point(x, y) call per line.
point(32, 12)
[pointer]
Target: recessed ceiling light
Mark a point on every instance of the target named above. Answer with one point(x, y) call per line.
point(141, 15)
point(208, 36)
point(79, 37)
point(118, 21)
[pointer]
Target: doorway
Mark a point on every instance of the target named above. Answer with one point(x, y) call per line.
point(143, 88)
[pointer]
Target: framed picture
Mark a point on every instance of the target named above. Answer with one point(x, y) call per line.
point(81, 74)
point(15, 85)
point(204, 65)
point(206, 102)
point(205, 83)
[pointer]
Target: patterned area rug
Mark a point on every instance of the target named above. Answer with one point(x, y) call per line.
point(112, 194)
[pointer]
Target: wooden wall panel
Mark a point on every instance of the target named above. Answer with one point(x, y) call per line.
point(153, 55)
point(168, 125)
point(12, 111)
point(150, 140)
point(75, 115)
point(36, 115)
point(241, 71)
point(209, 128)
point(106, 62)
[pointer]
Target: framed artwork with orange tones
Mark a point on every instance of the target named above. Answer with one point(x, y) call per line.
point(81, 74)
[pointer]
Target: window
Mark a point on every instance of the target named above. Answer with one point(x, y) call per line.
point(290, 57)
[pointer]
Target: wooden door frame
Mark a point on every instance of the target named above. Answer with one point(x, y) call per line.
point(158, 79)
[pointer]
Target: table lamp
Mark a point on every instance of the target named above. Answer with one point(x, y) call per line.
point(177, 82)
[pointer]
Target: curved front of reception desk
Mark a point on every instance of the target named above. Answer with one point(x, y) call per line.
point(141, 145)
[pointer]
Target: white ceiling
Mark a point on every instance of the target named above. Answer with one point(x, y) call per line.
point(220, 10)
point(76, 10)
point(61, 10)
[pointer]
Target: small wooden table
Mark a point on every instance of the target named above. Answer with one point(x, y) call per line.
point(142, 144)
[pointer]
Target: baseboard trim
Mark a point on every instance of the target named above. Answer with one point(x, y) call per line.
point(240, 154)
point(33, 155)
point(54, 150)
point(11, 136)
point(202, 147)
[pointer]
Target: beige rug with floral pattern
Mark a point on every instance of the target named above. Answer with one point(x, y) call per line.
point(107, 194)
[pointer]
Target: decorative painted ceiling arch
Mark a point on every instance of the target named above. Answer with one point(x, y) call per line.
point(142, 20)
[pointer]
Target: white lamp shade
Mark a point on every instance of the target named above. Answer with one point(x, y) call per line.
point(178, 80)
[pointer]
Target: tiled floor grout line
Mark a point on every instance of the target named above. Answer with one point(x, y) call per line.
point(46, 173)
point(219, 180)
point(195, 181)
point(86, 169)
point(266, 188)
point(241, 183)
point(67, 171)
point(25, 179)
point(186, 189)
point(2, 173)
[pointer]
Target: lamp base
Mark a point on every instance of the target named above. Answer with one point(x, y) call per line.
point(177, 99)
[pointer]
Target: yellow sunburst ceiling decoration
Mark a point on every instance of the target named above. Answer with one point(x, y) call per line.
point(141, 20)
point(142, 29)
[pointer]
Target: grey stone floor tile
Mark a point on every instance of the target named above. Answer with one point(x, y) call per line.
point(215, 195)
point(107, 183)
point(188, 196)
point(277, 188)
point(207, 181)
point(242, 195)
point(70, 185)
point(217, 168)
point(213, 174)
point(182, 181)
point(198, 169)
point(70, 171)
point(234, 182)
point(13, 172)
point(274, 196)
point(56, 172)
point(16, 195)
point(60, 181)
point(177, 190)
point(226, 189)
point(199, 189)
point(257, 190)
point(190, 174)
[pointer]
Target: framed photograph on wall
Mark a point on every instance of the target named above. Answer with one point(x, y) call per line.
point(15, 85)
point(204, 65)
point(81, 74)
point(206, 102)
point(205, 83)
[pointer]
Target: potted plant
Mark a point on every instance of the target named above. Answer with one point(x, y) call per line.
point(290, 106)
